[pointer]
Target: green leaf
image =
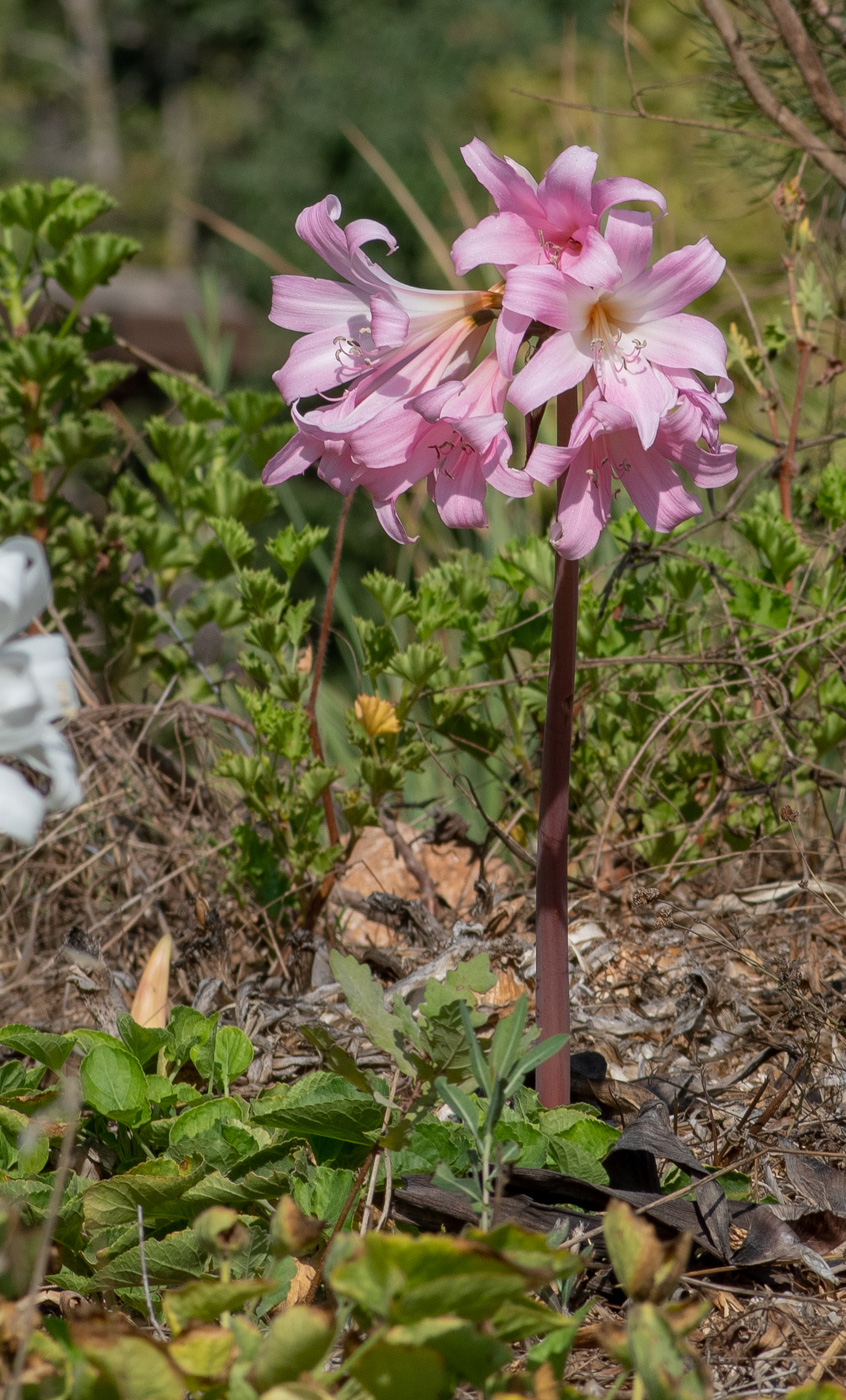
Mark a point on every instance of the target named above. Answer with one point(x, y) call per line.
point(28, 204)
point(295, 1342)
point(144, 1042)
point(291, 548)
point(393, 598)
point(82, 206)
point(46, 1047)
point(206, 1298)
point(336, 1059)
point(573, 1160)
point(366, 1001)
point(193, 400)
point(251, 410)
point(322, 1104)
point(418, 664)
point(137, 1368)
point(507, 1040)
point(185, 1029)
point(390, 1371)
point(177, 1258)
point(203, 1118)
point(91, 260)
point(460, 1103)
point(203, 1353)
point(233, 1055)
point(235, 538)
point(113, 1084)
point(157, 1186)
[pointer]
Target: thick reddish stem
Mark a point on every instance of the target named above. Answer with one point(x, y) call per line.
point(553, 978)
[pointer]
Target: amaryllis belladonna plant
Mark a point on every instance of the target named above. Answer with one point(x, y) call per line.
point(391, 384)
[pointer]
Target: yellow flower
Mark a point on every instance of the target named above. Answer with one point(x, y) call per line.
point(377, 716)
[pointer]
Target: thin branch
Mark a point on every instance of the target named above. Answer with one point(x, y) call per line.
point(405, 199)
point(158, 1330)
point(810, 65)
point(787, 470)
point(454, 188)
point(658, 117)
point(765, 99)
point(628, 56)
point(415, 868)
point(233, 234)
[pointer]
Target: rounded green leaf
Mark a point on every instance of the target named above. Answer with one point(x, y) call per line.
point(114, 1084)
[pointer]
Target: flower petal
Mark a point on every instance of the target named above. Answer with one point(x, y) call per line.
point(629, 232)
point(316, 363)
point(460, 498)
point(509, 335)
point(25, 589)
point(362, 231)
point(501, 239)
point(509, 184)
point(314, 304)
point(686, 342)
point(547, 463)
point(708, 469)
point(508, 481)
point(584, 507)
point(293, 459)
point(621, 188)
point(644, 392)
point(565, 190)
point(386, 513)
point(557, 365)
point(388, 323)
point(22, 809)
point(542, 293)
point(671, 283)
point(655, 487)
point(590, 259)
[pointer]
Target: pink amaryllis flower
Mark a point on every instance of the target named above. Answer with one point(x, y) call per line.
point(451, 431)
point(552, 223)
point(605, 446)
point(629, 331)
point(365, 322)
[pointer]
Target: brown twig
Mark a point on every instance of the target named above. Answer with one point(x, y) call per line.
point(415, 867)
point(660, 117)
point(807, 60)
point(233, 234)
point(405, 199)
point(787, 470)
point(766, 100)
point(339, 1224)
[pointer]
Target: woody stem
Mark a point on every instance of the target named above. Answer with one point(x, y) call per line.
point(553, 980)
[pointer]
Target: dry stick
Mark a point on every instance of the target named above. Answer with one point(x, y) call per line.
point(236, 235)
point(553, 984)
point(787, 470)
point(145, 1279)
point(765, 99)
point(809, 63)
point(405, 199)
point(339, 1225)
point(628, 55)
point(659, 117)
point(415, 867)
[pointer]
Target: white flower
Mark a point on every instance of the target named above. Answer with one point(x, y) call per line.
point(36, 688)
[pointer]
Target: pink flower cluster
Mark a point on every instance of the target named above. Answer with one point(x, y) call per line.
point(407, 396)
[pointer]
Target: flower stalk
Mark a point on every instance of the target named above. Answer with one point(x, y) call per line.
point(553, 976)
